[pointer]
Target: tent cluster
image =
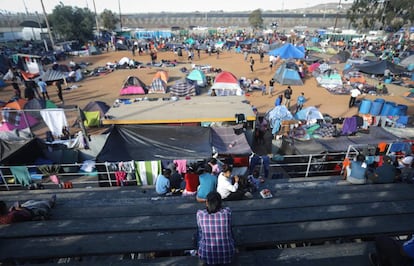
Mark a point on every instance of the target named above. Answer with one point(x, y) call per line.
point(18, 115)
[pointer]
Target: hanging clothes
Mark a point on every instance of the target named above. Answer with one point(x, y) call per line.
point(147, 172)
point(21, 173)
point(349, 126)
point(120, 178)
point(55, 120)
point(181, 166)
point(32, 66)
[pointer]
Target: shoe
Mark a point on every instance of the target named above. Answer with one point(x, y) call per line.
point(373, 259)
point(248, 195)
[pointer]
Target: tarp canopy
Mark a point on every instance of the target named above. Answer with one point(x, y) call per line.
point(226, 141)
point(183, 88)
point(340, 144)
point(155, 142)
point(288, 51)
point(287, 76)
point(133, 85)
point(276, 115)
point(53, 75)
point(378, 67)
point(20, 152)
point(340, 57)
point(330, 81)
point(407, 61)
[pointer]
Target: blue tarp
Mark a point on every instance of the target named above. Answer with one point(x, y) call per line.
point(152, 34)
point(288, 51)
point(276, 115)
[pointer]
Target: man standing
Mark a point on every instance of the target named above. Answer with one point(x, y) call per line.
point(300, 102)
point(288, 95)
point(59, 91)
point(354, 94)
point(42, 86)
point(261, 56)
point(271, 84)
point(251, 64)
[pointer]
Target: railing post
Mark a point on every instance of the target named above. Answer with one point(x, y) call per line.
point(309, 165)
point(108, 174)
point(4, 180)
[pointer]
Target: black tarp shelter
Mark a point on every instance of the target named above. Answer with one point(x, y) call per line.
point(155, 142)
point(19, 152)
point(226, 141)
point(168, 142)
point(378, 67)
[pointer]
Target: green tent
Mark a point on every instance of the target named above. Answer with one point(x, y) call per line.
point(92, 118)
point(50, 104)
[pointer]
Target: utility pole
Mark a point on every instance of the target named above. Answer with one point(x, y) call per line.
point(337, 14)
point(48, 26)
point(96, 19)
point(27, 14)
point(120, 17)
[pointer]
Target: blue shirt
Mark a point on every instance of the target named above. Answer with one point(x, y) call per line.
point(42, 85)
point(208, 183)
point(357, 171)
point(408, 248)
point(278, 101)
point(301, 100)
point(162, 185)
point(215, 240)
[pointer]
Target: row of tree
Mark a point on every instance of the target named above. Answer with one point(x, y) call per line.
point(78, 23)
point(74, 23)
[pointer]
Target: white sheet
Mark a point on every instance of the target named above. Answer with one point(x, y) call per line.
point(55, 120)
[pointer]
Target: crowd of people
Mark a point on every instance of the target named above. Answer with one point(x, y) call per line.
point(379, 169)
point(200, 180)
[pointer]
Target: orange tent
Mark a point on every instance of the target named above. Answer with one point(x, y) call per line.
point(17, 105)
point(162, 74)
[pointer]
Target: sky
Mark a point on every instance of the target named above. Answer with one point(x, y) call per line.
point(144, 6)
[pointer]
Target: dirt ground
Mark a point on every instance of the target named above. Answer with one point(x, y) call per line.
point(106, 88)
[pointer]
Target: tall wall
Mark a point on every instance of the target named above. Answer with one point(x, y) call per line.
point(210, 19)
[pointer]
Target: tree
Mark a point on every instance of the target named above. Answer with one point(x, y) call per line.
point(381, 14)
point(255, 19)
point(72, 23)
point(109, 20)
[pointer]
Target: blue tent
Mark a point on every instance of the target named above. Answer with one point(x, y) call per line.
point(198, 76)
point(288, 51)
point(287, 76)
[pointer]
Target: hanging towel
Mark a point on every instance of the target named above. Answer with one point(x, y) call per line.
point(147, 172)
point(55, 120)
point(120, 178)
point(181, 166)
point(21, 173)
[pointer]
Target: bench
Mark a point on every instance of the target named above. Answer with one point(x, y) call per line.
point(346, 254)
point(104, 222)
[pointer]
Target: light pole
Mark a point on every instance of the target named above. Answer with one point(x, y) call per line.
point(96, 19)
point(337, 13)
point(27, 14)
point(120, 17)
point(48, 26)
